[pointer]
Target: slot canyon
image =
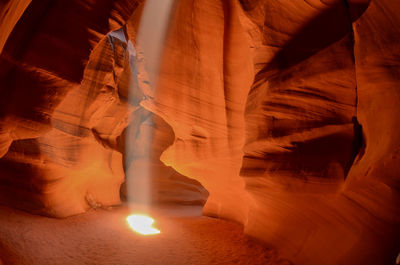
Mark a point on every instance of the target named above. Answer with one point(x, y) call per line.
point(259, 132)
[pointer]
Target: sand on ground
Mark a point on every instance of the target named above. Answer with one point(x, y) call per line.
point(103, 237)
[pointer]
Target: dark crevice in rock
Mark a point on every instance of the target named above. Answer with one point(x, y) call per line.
point(359, 145)
point(304, 45)
point(34, 17)
point(354, 11)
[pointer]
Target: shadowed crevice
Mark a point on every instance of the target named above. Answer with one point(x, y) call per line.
point(318, 34)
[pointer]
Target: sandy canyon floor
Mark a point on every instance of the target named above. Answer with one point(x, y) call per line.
point(103, 237)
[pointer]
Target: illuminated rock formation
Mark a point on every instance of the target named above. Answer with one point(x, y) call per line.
point(285, 111)
point(275, 102)
point(63, 113)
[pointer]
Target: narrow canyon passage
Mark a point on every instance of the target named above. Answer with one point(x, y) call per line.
point(275, 122)
point(103, 237)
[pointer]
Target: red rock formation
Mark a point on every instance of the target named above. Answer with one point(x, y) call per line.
point(152, 136)
point(63, 113)
point(10, 13)
point(52, 162)
point(285, 111)
point(291, 72)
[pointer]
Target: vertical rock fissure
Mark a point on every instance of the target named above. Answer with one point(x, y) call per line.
point(225, 51)
point(358, 142)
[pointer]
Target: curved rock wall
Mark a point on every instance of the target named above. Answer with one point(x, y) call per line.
point(271, 120)
point(64, 114)
point(52, 162)
point(10, 13)
point(203, 84)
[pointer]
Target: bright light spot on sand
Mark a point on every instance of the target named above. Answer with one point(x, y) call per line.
point(142, 224)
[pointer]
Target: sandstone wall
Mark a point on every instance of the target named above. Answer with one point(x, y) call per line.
point(278, 118)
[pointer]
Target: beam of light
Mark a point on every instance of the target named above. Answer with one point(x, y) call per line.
point(145, 62)
point(145, 58)
point(142, 224)
point(150, 40)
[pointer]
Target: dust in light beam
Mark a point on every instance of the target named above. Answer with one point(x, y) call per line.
point(149, 47)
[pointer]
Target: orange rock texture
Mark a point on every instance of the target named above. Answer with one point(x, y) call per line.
point(285, 111)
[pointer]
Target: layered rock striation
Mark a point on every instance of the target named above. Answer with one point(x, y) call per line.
point(64, 114)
